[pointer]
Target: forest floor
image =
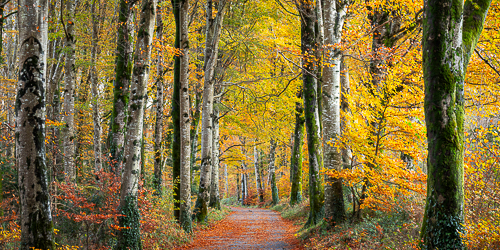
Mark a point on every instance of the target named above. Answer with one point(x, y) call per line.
point(248, 228)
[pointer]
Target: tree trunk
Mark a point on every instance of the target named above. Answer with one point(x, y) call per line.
point(130, 237)
point(244, 184)
point(272, 173)
point(244, 192)
point(258, 178)
point(344, 105)
point(311, 97)
point(214, 189)
point(143, 142)
point(176, 114)
point(185, 179)
point(158, 178)
point(69, 94)
point(226, 187)
point(213, 28)
point(238, 189)
point(123, 70)
point(297, 157)
point(95, 93)
point(194, 136)
point(334, 16)
point(35, 217)
point(451, 31)
point(261, 169)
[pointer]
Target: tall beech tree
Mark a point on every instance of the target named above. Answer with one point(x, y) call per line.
point(158, 179)
point(272, 172)
point(69, 92)
point(176, 113)
point(297, 155)
point(213, 30)
point(451, 32)
point(334, 17)
point(35, 217)
point(258, 177)
point(312, 98)
point(129, 236)
point(96, 21)
point(214, 189)
point(185, 121)
point(123, 71)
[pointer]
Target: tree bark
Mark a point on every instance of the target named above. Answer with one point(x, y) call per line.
point(185, 179)
point(158, 175)
point(95, 93)
point(312, 97)
point(297, 156)
point(226, 187)
point(123, 70)
point(129, 237)
point(69, 94)
point(194, 136)
point(272, 173)
point(176, 114)
point(244, 184)
point(238, 189)
point(213, 29)
point(35, 217)
point(344, 105)
point(334, 16)
point(214, 189)
point(258, 178)
point(244, 191)
point(451, 31)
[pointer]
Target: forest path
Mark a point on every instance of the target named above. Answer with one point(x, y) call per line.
point(248, 228)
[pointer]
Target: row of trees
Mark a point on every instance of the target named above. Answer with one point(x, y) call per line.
point(258, 87)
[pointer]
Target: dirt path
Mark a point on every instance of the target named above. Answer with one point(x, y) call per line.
point(248, 228)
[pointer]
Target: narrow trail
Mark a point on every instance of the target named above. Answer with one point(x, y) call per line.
point(248, 228)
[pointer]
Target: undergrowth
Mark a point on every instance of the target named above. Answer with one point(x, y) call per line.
point(378, 230)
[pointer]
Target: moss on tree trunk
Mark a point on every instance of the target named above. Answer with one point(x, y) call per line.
point(450, 29)
point(123, 70)
point(311, 97)
point(297, 156)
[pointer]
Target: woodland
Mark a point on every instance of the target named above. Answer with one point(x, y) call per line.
point(134, 124)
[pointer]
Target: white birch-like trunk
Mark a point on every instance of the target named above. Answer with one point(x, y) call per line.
point(35, 213)
point(334, 16)
point(272, 173)
point(258, 178)
point(69, 94)
point(344, 106)
point(214, 189)
point(130, 181)
point(158, 178)
point(213, 28)
point(185, 126)
point(132, 154)
point(95, 93)
point(226, 194)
